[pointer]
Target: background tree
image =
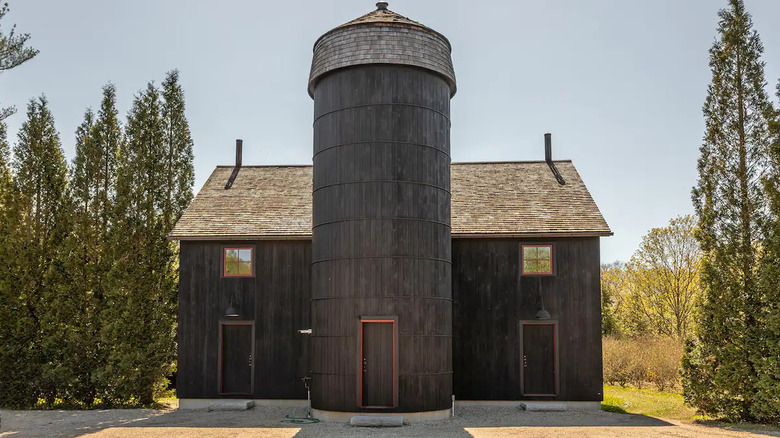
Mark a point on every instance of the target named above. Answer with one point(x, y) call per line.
point(664, 280)
point(612, 287)
point(13, 52)
point(720, 368)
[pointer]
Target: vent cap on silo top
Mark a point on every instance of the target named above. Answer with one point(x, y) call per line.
point(382, 37)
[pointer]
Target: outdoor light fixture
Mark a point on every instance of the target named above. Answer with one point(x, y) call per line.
point(232, 310)
point(542, 313)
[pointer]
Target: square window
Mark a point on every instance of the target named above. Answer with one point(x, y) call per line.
point(237, 262)
point(537, 260)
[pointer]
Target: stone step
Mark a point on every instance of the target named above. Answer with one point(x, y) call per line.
point(231, 405)
point(543, 406)
point(377, 420)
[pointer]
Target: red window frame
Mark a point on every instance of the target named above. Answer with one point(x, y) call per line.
point(522, 260)
point(251, 250)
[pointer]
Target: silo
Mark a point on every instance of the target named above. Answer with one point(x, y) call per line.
point(381, 250)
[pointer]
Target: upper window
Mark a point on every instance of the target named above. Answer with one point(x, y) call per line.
point(237, 262)
point(537, 260)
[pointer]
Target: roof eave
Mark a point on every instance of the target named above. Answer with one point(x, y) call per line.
point(214, 237)
point(543, 234)
point(540, 234)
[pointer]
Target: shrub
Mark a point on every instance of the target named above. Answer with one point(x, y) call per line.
point(642, 361)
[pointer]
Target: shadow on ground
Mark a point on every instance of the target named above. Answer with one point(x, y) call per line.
point(266, 421)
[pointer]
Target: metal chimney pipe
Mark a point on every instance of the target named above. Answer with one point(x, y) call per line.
point(239, 146)
point(234, 174)
point(548, 147)
point(548, 159)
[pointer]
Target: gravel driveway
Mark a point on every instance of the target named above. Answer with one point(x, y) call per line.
point(266, 422)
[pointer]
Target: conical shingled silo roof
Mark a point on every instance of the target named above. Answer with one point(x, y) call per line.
point(384, 16)
point(382, 37)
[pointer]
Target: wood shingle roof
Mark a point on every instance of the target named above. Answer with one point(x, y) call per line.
point(488, 199)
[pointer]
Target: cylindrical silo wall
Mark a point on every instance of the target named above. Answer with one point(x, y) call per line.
point(381, 236)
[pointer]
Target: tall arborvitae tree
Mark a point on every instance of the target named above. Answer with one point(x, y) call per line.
point(40, 178)
point(12, 392)
point(139, 322)
point(90, 254)
point(179, 171)
point(720, 367)
point(767, 406)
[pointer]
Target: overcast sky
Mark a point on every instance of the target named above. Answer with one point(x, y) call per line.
point(620, 84)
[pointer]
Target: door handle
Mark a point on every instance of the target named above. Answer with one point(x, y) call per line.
point(250, 360)
point(364, 364)
point(525, 361)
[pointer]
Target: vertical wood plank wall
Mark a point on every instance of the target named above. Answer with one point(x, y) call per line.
point(491, 297)
point(276, 299)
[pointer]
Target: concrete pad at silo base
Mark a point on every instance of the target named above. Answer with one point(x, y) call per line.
point(377, 421)
point(543, 406)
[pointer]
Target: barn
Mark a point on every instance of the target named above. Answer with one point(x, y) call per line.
point(382, 277)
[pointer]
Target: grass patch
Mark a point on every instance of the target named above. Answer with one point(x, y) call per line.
point(166, 400)
point(613, 404)
point(648, 402)
point(751, 427)
point(654, 403)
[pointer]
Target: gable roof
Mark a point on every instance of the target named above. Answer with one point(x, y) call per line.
point(488, 200)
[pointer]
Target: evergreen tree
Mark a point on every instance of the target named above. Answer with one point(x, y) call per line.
point(40, 179)
point(90, 256)
point(13, 53)
point(767, 406)
point(179, 171)
point(12, 392)
point(720, 367)
point(139, 320)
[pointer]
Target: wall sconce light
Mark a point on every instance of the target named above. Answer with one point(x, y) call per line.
point(232, 310)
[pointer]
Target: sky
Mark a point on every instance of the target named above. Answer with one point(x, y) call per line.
point(619, 84)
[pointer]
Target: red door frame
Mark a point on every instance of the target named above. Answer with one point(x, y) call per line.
point(377, 319)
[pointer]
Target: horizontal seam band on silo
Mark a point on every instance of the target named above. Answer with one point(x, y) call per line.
point(338, 259)
point(400, 374)
point(352, 297)
point(408, 143)
point(355, 219)
point(332, 374)
point(382, 181)
point(382, 104)
point(443, 373)
point(406, 335)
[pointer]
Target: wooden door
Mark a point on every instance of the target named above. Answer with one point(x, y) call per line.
point(377, 360)
point(539, 359)
point(237, 359)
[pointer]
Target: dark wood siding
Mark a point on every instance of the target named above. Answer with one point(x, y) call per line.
point(381, 230)
point(491, 297)
point(276, 299)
